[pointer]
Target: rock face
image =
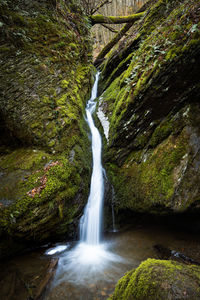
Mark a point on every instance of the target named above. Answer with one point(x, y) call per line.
point(159, 279)
point(45, 57)
point(151, 97)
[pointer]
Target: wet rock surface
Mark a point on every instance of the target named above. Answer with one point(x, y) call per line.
point(21, 278)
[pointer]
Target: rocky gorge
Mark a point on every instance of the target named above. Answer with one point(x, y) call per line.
point(149, 92)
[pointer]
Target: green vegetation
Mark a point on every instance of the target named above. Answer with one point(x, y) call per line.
point(151, 90)
point(148, 83)
point(46, 68)
point(143, 186)
point(45, 51)
point(97, 19)
point(46, 190)
point(157, 280)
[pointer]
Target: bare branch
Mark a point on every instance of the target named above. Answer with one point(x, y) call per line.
point(110, 28)
point(115, 39)
point(100, 5)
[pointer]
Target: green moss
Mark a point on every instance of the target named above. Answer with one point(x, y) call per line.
point(47, 88)
point(156, 48)
point(65, 84)
point(60, 207)
point(24, 159)
point(158, 279)
point(62, 100)
point(161, 132)
point(73, 46)
point(54, 185)
point(146, 147)
point(144, 182)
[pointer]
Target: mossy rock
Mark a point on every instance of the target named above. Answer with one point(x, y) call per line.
point(151, 101)
point(45, 164)
point(161, 174)
point(49, 75)
point(159, 279)
point(42, 195)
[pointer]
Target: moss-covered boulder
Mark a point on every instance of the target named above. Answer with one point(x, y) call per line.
point(45, 63)
point(151, 97)
point(45, 165)
point(159, 279)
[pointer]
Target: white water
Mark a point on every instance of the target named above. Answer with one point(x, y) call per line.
point(90, 259)
point(90, 224)
point(56, 250)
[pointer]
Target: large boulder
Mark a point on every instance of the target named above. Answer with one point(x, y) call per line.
point(159, 280)
point(45, 164)
point(151, 98)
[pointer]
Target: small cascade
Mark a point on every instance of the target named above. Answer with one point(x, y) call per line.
point(90, 224)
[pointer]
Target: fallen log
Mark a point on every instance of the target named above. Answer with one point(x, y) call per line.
point(99, 19)
point(166, 253)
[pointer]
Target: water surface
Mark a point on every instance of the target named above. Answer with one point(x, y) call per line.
point(125, 250)
point(24, 274)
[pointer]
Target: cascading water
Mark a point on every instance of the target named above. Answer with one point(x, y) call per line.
point(89, 270)
point(90, 224)
point(88, 260)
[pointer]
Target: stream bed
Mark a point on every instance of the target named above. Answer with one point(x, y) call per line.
point(22, 275)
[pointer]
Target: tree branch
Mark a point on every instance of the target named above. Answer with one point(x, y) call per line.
point(110, 28)
point(99, 19)
point(114, 41)
point(100, 5)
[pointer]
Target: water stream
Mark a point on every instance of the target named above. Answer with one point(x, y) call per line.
point(90, 268)
point(87, 261)
point(90, 224)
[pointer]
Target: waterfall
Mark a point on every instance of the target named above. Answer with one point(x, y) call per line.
point(89, 257)
point(90, 224)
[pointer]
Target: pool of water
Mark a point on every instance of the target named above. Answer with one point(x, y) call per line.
point(122, 252)
point(91, 275)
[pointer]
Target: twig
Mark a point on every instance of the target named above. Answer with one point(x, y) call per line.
point(100, 5)
point(110, 28)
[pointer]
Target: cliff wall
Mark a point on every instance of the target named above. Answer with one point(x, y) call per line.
point(45, 164)
point(151, 98)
